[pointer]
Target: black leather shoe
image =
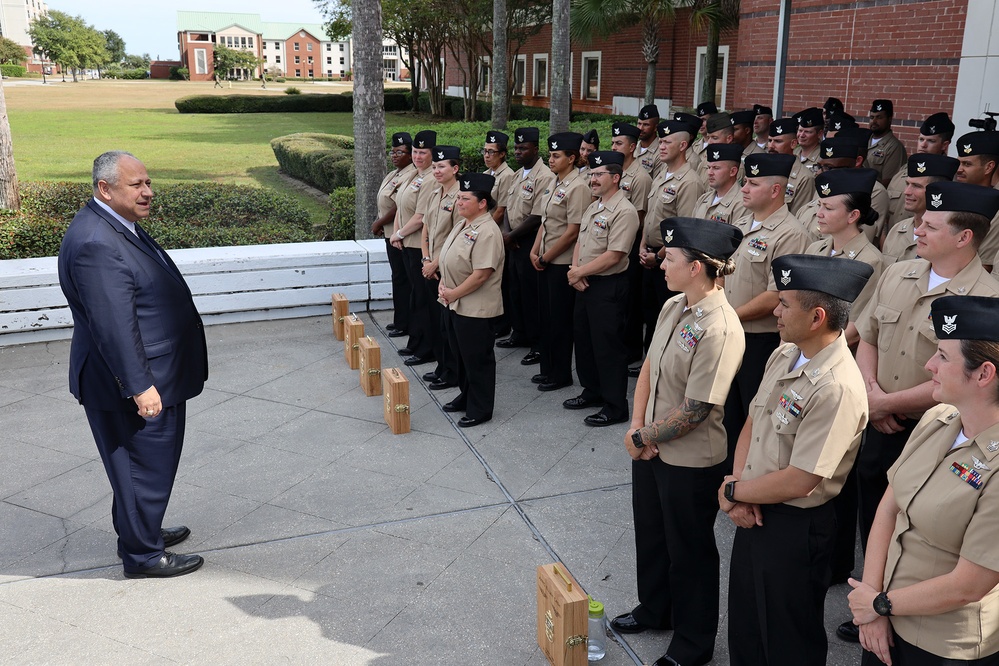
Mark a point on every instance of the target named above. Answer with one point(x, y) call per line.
point(666, 660)
point(579, 402)
point(848, 632)
point(552, 386)
point(169, 564)
point(397, 333)
point(599, 420)
point(532, 358)
point(627, 624)
point(391, 327)
point(453, 407)
point(508, 343)
point(405, 351)
point(634, 372)
point(440, 385)
point(430, 377)
point(540, 379)
point(502, 333)
point(174, 535)
point(466, 422)
point(418, 360)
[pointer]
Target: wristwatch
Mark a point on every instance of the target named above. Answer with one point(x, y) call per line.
point(636, 439)
point(882, 604)
point(730, 491)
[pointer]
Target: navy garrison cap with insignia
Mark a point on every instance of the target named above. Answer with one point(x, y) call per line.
point(604, 157)
point(761, 110)
point(625, 129)
point(840, 120)
point(938, 123)
point(474, 181)
point(724, 152)
point(783, 126)
point(565, 141)
point(719, 121)
point(693, 122)
point(845, 181)
point(978, 143)
point(648, 111)
point(526, 135)
point(946, 195)
point(769, 164)
point(883, 106)
point(718, 240)
point(926, 164)
point(499, 138)
point(425, 139)
point(965, 318)
point(859, 135)
point(833, 105)
point(706, 108)
point(838, 147)
point(810, 117)
point(667, 127)
point(743, 117)
point(592, 137)
point(402, 139)
point(814, 272)
point(446, 153)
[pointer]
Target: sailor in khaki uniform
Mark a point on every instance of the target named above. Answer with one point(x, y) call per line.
point(694, 127)
point(795, 452)
point(810, 126)
point(719, 130)
point(839, 121)
point(402, 160)
point(591, 142)
point(471, 263)
point(764, 115)
point(886, 154)
point(935, 135)
point(676, 441)
point(978, 153)
point(494, 154)
point(606, 236)
point(921, 170)
point(704, 111)
point(930, 592)
point(831, 106)
point(800, 187)
point(723, 201)
point(647, 148)
point(742, 132)
point(769, 231)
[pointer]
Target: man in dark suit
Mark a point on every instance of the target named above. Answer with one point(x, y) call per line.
point(138, 354)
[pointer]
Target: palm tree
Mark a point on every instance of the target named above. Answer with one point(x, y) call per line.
point(718, 15)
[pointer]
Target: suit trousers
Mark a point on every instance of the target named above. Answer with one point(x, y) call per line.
point(676, 556)
point(140, 457)
point(878, 453)
point(601, 352)
point(524, 313)
point(400, 287)
point(759, 347)
point(556, 300)
point(419, 309)
point(777, 588)
point(472, 338)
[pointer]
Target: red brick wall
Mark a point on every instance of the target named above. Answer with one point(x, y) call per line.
point(303, 53)
point(187, 57)
point(907, 51)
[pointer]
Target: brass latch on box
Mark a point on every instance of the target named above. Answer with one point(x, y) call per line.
point(573, 641)
point(402, 408)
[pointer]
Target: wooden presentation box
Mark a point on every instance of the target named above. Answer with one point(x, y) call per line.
point(396, 400)
point(353, 330)
point(340, 309)
point(370, 357)
point(563, 612)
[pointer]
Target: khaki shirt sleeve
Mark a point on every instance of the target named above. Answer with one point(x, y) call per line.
point(578, 199)
point(979, 539)
point(819, 442)
point(640, 191)
point(622, 232)
point(867, 321)
point(686, 198)
point(543, 182)
point(487, 254)
point(713, 368)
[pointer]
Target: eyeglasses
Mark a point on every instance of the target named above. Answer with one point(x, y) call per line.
point(599, 173)
point(489, 152)
point(397, 153)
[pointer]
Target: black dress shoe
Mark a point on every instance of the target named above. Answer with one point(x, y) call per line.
point(634, 372)
point(397, 333)
point(579, 402)
point(532, 358)
point(467, 422)
point(418, 360)
point(848, 632)
point(666, 660)
point(508, 343)
point(405, 351)
point(627, 624)
point(502, 333)
point(169, 564)
point(599, 420)
point(552, 386)
point(453, 406)
point(430, 377)
point(440, 385)
point(391, 327)
point(540, 379)
point(174, 535)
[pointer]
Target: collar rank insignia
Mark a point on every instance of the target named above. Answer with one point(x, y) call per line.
point(980, 465)
point(966, 474)
point(993, 446)
point(851, 254)
point(716, 155)
point(952, 416)
point(961, 290)
point(699, 312)
point(468, 184)
point(755, 170)
point(440, 155)
point(967, 149)
point(815, 373)
point(492, 138)
point(920, 167)
point(785, 277)
point(829, 152)
point(826, 189)
point(949, 326)
point(936, 200)
point(617, 131)
point(669, 236)
point(598, 159)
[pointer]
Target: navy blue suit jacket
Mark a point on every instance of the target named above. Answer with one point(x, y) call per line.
point(135, 322)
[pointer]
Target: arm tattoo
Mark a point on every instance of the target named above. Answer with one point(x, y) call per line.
point(677, 423)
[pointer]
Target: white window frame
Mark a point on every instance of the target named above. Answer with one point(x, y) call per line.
point(485, 82)
point(702, 52)
point(523, 90)
point(539, 57)
point(200, 61)
point(590, 55)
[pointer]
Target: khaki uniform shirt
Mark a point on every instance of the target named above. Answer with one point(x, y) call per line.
point(649, 157)
point(390, 187)
point(694, 354)
point(440, 217)
point(800, 188)
point(897, 319)
point(608, 225)
point(858, 249)
point(809, 159)
point(879, 202)
point(989, 249)
point(780, 234)
point(635, 183)
point(900, 242)
point(896, 197)
point(526, 194)
point(888, 156)
point(564, 203)
point(408, 202)
point(671, 195)
point(811, 418)
point(693, 155)
point(948, 509)
point(727, 209)
point(754, 147)
point(476, 245)
point(503, 176)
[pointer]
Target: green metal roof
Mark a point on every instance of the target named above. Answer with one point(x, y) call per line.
point(215, 21)
point(286, 30)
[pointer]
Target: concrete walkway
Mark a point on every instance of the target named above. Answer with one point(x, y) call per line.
point(327, 538)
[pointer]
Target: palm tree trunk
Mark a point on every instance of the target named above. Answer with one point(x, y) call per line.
point(369, 112)
point(501, 87)
point(650, 50)
point(560, 104)
point(9, 196)
point(711, 63)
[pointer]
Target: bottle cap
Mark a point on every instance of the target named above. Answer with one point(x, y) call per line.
point(596, 608)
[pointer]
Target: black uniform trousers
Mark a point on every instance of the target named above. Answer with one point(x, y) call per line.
point(140, 457)
point(419, 309)
point(556, 301)
point(601, 353)
point(472, 338)
point(523, 288)
point(677, 559)
point(777, 588)
point(634, 314)
point(447, 364)
point(400, 287)
point(878, 453)
point(654, 295)
point(907, 654)
point(759, 347)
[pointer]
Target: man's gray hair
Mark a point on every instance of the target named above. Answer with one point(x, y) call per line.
point(106, 166)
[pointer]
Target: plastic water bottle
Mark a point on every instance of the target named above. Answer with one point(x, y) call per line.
point(596, 642)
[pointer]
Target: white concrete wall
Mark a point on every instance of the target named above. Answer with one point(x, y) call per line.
point(978, 74)
point(229, 284)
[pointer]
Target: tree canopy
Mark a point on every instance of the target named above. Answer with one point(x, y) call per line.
point(114, 45)
point(227, 59)
point(11, 53)
point(69, 41)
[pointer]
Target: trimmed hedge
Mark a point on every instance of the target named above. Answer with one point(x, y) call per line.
point(325, 161)
point(182, 216)
point(340, 224)
point(394, 101)
point(16, 71)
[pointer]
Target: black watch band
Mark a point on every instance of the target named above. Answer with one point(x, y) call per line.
point(882, 605)
point(730, 491)
point(636, 439)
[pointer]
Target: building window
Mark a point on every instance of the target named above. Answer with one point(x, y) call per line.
point(296, 46)
point(589, 82)
point(298, 60)
point(242, 42)
point(484, 71)
point(277, 45)
point(341, 48)
point(249, 42)
point(310, 60)
point(265, 58)
point(329, 60)
point(721, 80)
point(329, 47)
point(520, 75)
point(540, 88)
point(308, 47)
point(389, 48)
point(311, 75)
point(341, 61)
point(388, 65)
point(298, 73)
point(200, 61)
point(277, 59)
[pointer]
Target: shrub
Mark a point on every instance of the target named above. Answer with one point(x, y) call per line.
point(179, 73)
point(279, 79)
point(134, 74)
point(341, 223)
point(325, 161)
point(16, 71)
point(292, 90)
point(293, 102)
